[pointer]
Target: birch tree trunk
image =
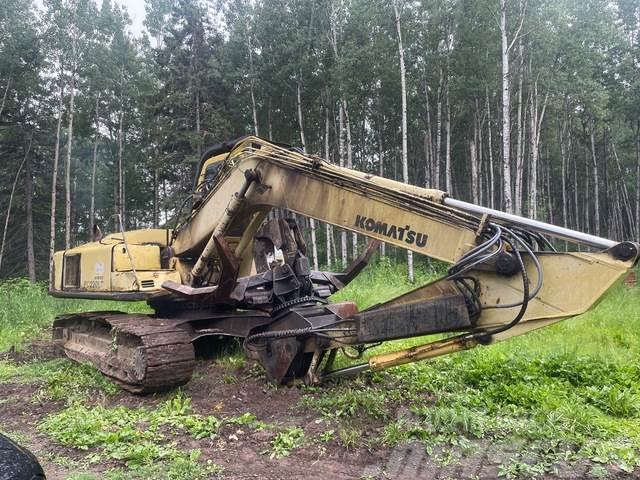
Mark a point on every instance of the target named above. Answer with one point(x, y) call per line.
point(54, 184)
point(121, 208)
point(519, 137)
point(354, 236)
point(251, 86)
point(506, 102)
point(13, 192)
point(506, 125)
point(596, 186)
point(381, 172)
point(428, 142)
point(492, 194)
point(92, 210)
point(563, 167)
point(328, 227)
point(575, 194)
point(535, 127)
point(28, 187)
point(121, 192)
point(436, 157)
point(475, 181)
point(403, 88)
point(637, 142)
point(312, 222)
point(626, 200)
point(343, 233)
point(447, 154)
point(67, 166)
point(4, 96)
point(269, 121)
point(333, 37)
point(474, 171)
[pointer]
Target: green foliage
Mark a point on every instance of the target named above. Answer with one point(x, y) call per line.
point(180, 467)
point(136, 436)
point(285, 441)
point(350, 402)
point(386, 279)
point(27, 311)
point(60, 379)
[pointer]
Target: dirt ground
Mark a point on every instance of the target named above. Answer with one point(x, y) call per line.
point(243, 452)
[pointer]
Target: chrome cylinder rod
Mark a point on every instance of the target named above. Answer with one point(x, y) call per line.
point(535, 225)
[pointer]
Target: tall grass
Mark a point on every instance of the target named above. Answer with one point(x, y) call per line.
point(385, 279)
point(27, 311)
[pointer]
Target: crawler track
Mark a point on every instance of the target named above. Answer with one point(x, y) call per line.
point(141, 353)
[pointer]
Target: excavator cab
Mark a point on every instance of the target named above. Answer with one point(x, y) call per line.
point(209, 172)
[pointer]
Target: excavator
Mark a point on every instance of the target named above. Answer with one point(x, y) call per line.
point(231, 268)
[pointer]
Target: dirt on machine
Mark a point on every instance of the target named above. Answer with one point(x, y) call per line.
point(233, 268)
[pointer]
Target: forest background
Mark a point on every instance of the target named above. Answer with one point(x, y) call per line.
point(528, 106)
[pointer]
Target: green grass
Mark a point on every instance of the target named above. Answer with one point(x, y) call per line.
point(385, 280)
point(147, 440)
point(285, 441)
point(59, 379)
point(27, 311)
point(181, 466)
point(565, 393)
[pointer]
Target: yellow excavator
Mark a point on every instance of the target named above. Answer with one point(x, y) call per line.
point(229, 268)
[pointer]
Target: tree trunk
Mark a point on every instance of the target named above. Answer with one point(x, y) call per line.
point(637, 142)
point(28, 186)
point(343, 233)
point(156, 177)
point(251, 86)
point(447, 151)
point(506, 126)
point(403, 88)
point(519, 137)
point(575, 194)
point(547, 164)
point(4, 96)
point(121, 193)
point(381, 171)
point(54, 185)
point(492, 194)
point(156, 197)
point(436, 157)
point(13, 191)
point(428, 142)
point(473, 157)
point(312, 222)
point(270, 122)
point(626, 200)
point(506, 105)
point(563, 166)
point(328, 227)
point(354, 236)
point(67, 167)
point(596, 186)
point(474, 172)
point(92, 210)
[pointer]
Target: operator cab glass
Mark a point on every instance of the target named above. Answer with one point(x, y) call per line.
point(209, 173)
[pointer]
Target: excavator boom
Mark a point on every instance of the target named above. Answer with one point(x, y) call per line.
point(232, 268)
